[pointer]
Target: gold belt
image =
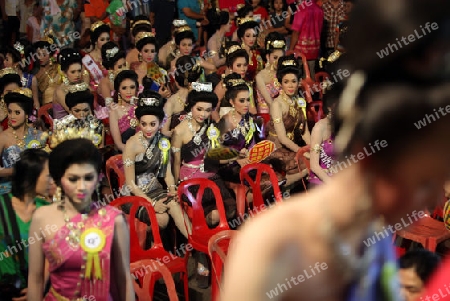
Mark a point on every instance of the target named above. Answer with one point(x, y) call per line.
point(60, 297)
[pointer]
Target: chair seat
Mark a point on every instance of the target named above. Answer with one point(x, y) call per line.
point(427, 231)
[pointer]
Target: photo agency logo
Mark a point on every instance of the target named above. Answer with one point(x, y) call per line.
point(429, 118)
point(405, 41)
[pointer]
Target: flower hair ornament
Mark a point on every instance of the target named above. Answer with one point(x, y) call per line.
point(179, 23)
point(97, 25)
point(19, 47)
point(149, 101)
point(77, 87)
point(110, 53)
point(202, 87)
point(348, 110)
point(144, 34)
point(276, 44)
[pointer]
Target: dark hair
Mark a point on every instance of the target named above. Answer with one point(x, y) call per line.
point(187, 34)
point(244, 11)
point(190, 75)
point(26, 172)
point(282, 70)
point(331, 96)
point(230, 58)
point(141, 27)
point(73, 151)
point(155, 110)
point(246, 26)
point(273, 36)
point(98, 31)
point(43, 45)
point(107, 61)
point(25, 102)
point(423, 261)
point(68, 57)
point(19, 57)
point(75, 98)
point(123, 75)
point(144, 41)
point(194, 97)
point(217, 19)
point(380, 89)
point(232, 91)
point(8, 79)
point(272, 5)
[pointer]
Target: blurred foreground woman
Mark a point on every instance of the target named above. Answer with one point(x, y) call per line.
point(390, 167)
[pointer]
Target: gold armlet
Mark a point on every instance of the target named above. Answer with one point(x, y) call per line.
point(317, 148)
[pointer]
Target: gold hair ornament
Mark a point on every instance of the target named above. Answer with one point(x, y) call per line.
point(24, 91)
point(202, 87)
point(182, 28)
point(179, 23)
point(347, 109)
point(144, 34)
point(277, 44)
point(97, 25)
point(46, 36)
point(289, 63)
point(77, 87)
point(245, 20)
point(19, 47)
point(232, 49)
point(236, 82)
point(147, 22)
point(6, 71)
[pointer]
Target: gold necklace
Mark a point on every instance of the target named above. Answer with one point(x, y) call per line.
point(290, 103)
point(20, 142)
point(242, 129)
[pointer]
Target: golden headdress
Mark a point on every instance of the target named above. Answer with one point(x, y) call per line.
point(19, 47)
point(24, 91)
point(179, 23)
point(97, 25)
point(289, 63)
point(236, 82)
point(232, 49)
point(182, 28)
point(8, 70)
point(276, 44)
point(77, 87)
point(147, 22)
point(149, 101)
point(144, 34)
point(47, 36)
point(245, 20)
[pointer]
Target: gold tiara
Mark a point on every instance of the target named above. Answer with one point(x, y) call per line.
point(19, 47)
point(144, 34)
point(8, 70)
point(46, 36)
point(149, 101)
point(239, 6)
point(245, 20)
point(179, 23)
point(24, 91)
point(182, 28)
point(289, 63)
point(97, 25)
point(147, 22)
point(77, 87)
point(277, 44)
point(236, 82)
point(233, 49)
point(199, 87)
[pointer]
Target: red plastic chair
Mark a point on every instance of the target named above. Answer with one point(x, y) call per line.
point(319, 78)
point(144, 273)
point(314, 111)
point(218, 249)
point(255, 185)
point(174, 263)
point(300, 157)
point(201, 233)
point(45, 113)
point(115, 173)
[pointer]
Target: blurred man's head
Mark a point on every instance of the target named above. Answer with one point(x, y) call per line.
point(416, 267)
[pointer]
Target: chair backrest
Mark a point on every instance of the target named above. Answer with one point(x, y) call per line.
point(218, 250)
point(45, 113)
point(255, 184)
point(319, 78)
point(136, 227)
point(300, 157)
point(143, 271)
point(199, 225)
point(115, 173)
point(314, 111)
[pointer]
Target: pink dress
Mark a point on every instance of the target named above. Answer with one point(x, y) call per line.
point(263, 107)
point(308, 22)
point(326, 160)
point(68, 263)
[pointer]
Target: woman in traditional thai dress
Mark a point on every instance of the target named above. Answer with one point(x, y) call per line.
point(19, 135)
point(237, 62)
point(74, 78)
point(221, 22)
point(267, 86)
point(288, 128)
point(175, 106)
point(16, 57)
point(9, 81)
point(88, 247)
point(48, 77)
point(139, 24)
point(92, 61)
point(122, 119)
point(247, 35)
point(80, 123)
point(113, 60)
point(146, 158)
point(146, 66)
point(191, 140)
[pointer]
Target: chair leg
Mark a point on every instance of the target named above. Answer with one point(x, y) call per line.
point(186, 286)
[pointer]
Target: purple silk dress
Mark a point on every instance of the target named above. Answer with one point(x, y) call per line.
point(68, 264)
point(326, 160)
point(58, 111)
point(125, 128)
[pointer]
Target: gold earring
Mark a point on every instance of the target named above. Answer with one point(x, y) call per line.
point(140, 57)
point(57, 195)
